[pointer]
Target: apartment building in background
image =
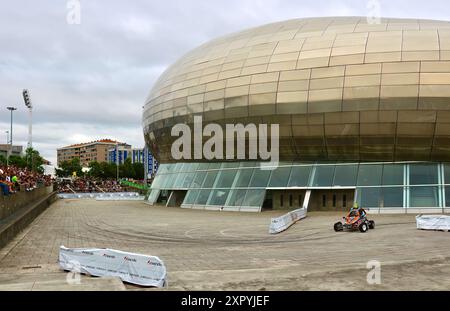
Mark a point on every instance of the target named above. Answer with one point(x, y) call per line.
point(88, 152)
point(6, 149)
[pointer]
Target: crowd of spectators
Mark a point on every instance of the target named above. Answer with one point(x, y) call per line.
point(14, 179)
point(87, 184)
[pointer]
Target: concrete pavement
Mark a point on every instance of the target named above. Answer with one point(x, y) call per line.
point(227, 250)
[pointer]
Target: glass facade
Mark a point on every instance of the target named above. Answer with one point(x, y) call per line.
point(243, 185)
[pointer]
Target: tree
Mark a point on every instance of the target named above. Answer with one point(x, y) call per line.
point(126, 170)
point(138, 170)
point(2, 160)
point(33, 160)
point(95, 170)
point(68, 167)
point(17, 161)
point(109, 170)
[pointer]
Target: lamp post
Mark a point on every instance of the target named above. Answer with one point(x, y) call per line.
point(11, 109)
point(145, 164)
point(117, 160)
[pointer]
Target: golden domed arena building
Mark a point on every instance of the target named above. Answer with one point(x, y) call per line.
point(363, 112)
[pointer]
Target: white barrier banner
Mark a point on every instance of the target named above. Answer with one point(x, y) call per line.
point(129, 267)
point(95, 195)
point(130, 198)
point(281, 223)
point(433, 222)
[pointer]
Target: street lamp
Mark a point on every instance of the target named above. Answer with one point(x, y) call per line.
point(10, 134)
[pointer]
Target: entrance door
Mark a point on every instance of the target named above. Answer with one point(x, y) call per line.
point(176, 198)
point(331, 200)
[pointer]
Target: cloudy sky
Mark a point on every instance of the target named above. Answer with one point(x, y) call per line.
point(89, 80)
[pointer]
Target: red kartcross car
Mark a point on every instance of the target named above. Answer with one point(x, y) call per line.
point(355, 220)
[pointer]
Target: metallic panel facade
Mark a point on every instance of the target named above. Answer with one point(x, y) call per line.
point(340, 88)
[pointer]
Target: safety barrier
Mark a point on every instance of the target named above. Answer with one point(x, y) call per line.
point(96, 195)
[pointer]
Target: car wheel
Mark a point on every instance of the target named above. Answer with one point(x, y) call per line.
point(363, 227)
point(338, 227)
point(371, 224)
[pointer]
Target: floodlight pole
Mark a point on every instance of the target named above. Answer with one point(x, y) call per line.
point(27, 100)
point(30, 127)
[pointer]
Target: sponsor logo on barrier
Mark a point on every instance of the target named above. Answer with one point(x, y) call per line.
point(129, 259)
point(154, 263)
point(109, 256)
point(87, 253)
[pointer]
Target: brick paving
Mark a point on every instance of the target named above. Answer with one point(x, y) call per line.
point(226, 250)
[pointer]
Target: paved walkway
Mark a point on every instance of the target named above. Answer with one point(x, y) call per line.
point(226, 250)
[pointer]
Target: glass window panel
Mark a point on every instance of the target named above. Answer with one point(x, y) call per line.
point(214, 165)
point(345, 175)
point(179, 181)
point(323, 176)
point(157, 181)
point(254, 197)
point(203, 196)
point(209, 179)
point(236, 197)
point(299, 176)
point(260, 178)
point(218, 197)
point(369, 197)
point(171, 168)
point(203, 166)
point(420, 174)
point(164, 180)
point(393, 174)
point(171, 178)
point(423, 197)
point(447, 174)
point(392, 197)
point(243, 178)
point(163, 168)
point(447, 196)
point(177, 167)
point(153, 196)
point(249, 164)
point(191, 196)
point(198, 179)
point(188, 180)
point(182, 167)
point(280, 177)
point(225, 179)
point(191, 167)
point(370, 175)
point(230, 165)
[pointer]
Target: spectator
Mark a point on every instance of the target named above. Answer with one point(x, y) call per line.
point(13, 178)
point(87, 184)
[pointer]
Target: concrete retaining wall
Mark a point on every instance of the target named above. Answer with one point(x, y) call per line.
point(19, 210)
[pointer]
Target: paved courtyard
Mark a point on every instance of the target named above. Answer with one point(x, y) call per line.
point(229, 251)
